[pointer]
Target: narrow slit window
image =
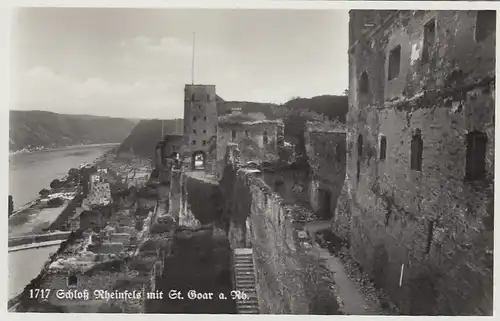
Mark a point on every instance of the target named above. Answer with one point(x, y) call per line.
point(417, 146)
point(429, 39)
point(430, 234)
point(383, 147)
point(360, 145)
point(475, 162)
point(233, 135)
point(394, 63)
point(364, 84)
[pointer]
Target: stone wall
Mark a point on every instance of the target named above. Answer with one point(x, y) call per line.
point(256, 140)
point(290, 278)
point(326, 153)
point(430, 221)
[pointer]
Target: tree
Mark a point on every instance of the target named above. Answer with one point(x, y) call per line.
point(55, 183)
point(54, 202)
point(11, 205)
point(44, 192)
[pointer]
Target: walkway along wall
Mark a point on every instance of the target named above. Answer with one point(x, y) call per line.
point(290, 278)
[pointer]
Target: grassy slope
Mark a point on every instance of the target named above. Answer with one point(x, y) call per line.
point(51, 130)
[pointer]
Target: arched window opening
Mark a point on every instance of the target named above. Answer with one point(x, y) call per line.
point(198, 160)
point(364, 83)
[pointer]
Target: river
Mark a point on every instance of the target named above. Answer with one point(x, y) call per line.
point(25, 265)
point(31, 172)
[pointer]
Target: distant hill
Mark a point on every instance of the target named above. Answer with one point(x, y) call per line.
point(295, 112)
point(42, 129)
point(147, 133)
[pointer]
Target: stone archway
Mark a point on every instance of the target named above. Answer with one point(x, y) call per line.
point(198, 160)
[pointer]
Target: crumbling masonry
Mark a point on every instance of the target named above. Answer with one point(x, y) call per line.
point(420, 159)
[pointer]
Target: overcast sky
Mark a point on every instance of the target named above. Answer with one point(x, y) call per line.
point(135, 62)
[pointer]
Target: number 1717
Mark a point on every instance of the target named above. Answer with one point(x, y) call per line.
point(39, 294)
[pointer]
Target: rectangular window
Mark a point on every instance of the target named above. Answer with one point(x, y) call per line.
point(394, 63)
point(475, 162)
point(416, 153)
point(383, 147)
point(486, 23)
point(429, 39)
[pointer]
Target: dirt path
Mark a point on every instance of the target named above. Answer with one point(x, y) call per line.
point(353, 299)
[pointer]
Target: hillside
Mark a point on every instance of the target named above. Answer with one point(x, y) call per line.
point(41, 129)
point(295, 113)
point(147, 133)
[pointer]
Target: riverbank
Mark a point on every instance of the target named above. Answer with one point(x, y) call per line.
point(29, 173)
point(47, 149)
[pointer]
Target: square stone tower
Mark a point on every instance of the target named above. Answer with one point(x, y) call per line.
point(200, 119)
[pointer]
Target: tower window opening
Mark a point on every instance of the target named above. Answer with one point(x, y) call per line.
point(204, 131)
point(233, 135)
point(194, 118)
point(194, 131)
point(205, 118)
point(193, 142)
point(265, 138)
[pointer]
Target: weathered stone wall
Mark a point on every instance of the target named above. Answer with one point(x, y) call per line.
point(249, 136)
point(326, 153)
point(290, 278)
point(431, 221)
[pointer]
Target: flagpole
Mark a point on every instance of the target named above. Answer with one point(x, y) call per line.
point(192, 62)
point(162, 129)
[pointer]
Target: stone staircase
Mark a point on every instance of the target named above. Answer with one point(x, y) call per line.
point(244, 282)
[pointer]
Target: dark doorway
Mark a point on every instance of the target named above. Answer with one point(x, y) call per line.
point(325, 198)
point(198, 160)
point(72, 280)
